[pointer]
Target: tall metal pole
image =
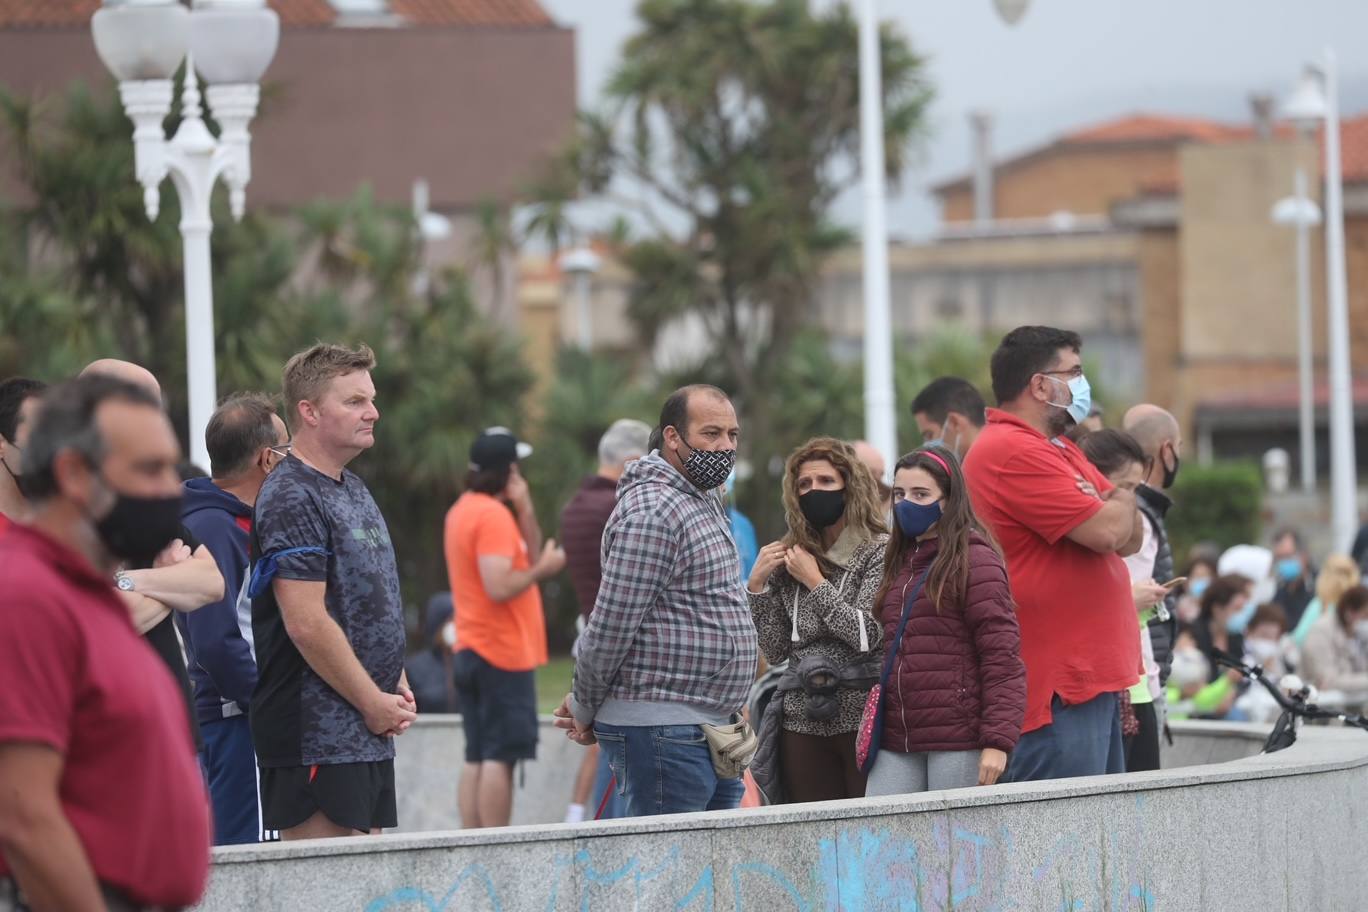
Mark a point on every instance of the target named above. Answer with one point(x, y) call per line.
point(1304, 369)
point(880, 406)
point(1343, 481)
point(583, 315)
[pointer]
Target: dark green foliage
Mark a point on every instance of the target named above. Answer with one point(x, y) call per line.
point(1219, 503)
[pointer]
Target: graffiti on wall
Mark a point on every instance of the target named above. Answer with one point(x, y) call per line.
point(863, 868)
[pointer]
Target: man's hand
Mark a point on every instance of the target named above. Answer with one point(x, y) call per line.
point(390, 714)
point(517, 491)
point(1147, 594)
point(551, 561)
point(769, 559)
point(802, 566)
point(412, 702)
point(992, 764)
point(173, 554)
point(574, 730)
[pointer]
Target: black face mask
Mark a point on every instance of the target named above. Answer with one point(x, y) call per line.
point(137, 529)
point(822, 508)
point(1170, 474)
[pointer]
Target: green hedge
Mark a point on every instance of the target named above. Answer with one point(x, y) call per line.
point(1219, 503)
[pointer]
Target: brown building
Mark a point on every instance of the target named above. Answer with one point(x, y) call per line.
point(1214, 314)
point(468, 95)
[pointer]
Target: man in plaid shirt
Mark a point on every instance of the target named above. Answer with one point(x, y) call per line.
point(670, 645)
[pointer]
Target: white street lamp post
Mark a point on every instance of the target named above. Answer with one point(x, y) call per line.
point(1301, 213)
point(1316, 101)
point(582, 264)
point(881, 421)
point(229, 43)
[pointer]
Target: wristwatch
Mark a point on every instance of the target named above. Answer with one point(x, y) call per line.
point(123, 581)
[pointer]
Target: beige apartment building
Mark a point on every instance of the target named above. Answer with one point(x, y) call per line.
point(1149, 235)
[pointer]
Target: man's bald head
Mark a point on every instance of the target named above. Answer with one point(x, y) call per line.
point(1152, 427)
point(126, 371)
point(870, 457)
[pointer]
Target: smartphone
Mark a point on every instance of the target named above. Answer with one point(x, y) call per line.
point(1176, 581)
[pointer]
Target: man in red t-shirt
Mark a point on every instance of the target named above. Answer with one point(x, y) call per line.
point(101, 800)
point(1063, 530)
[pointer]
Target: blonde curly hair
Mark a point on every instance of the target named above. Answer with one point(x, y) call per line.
point(863, 502)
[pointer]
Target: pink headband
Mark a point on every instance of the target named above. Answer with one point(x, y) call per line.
point(943, 464)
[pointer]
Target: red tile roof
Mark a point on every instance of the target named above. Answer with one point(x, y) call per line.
point(1354, 147)
point(1155, 128)
point(1159, 129)
point(24, 14)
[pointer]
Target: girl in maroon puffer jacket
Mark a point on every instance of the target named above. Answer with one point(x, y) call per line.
point(956, 696)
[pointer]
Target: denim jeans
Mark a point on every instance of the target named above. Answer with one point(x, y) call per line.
point(1082, 739)
point(605, 793)
point(665, 769)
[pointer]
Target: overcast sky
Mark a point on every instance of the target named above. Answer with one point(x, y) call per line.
point(1067, 63)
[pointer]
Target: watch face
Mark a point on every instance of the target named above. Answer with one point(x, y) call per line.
point(124, 583)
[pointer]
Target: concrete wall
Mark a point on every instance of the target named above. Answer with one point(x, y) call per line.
point(430, 756)
point(1283, 832)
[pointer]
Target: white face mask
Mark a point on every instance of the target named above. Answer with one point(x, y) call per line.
point(1262, 651)
point(1361, 629)
point(449, 634)
point(1189, 667)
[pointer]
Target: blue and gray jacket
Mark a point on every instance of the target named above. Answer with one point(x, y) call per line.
point(218, 637)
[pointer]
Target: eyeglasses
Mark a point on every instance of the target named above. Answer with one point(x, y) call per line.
point(282, 450)
point(1072, 372)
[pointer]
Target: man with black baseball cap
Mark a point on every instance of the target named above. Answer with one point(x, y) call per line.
point(491, 540)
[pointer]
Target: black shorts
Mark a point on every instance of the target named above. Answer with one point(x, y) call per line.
point(355, 795)
point(498, 710)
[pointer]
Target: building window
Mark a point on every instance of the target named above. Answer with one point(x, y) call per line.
point(949, 309)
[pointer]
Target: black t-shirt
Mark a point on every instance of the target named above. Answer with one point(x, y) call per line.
point(297, 718)
point(162, 638)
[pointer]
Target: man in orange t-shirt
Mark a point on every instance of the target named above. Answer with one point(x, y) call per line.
point(490, 537)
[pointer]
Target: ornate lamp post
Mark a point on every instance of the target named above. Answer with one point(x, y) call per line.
point(229, 43)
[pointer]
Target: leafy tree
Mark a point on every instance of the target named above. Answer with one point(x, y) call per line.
point(84, 274)
point(741, 121)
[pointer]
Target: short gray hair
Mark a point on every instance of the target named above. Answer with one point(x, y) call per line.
point(626, 439)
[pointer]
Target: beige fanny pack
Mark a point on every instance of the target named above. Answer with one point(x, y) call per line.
point(732, 746)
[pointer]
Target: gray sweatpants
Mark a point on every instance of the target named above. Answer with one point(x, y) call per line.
point(896, 773)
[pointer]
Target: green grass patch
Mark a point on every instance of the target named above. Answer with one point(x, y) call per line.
point(553, 682)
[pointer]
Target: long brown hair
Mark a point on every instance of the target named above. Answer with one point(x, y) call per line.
point(950, 573)
point(863, 504)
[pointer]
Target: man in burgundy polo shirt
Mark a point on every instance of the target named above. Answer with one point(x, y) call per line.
point(1063, 530)
point(101, 801)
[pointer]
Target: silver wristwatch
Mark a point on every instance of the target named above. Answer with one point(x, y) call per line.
point(123, 581)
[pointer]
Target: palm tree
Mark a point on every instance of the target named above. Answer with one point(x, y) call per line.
point(494, 241)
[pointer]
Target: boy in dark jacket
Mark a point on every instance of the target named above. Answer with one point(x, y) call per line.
point(245, 439)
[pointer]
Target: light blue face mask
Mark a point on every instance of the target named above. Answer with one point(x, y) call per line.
point(1237, 623)
point(1081, 406)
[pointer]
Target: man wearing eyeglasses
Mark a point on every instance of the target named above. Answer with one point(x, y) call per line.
point(245, 439)
point(1063, 530)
